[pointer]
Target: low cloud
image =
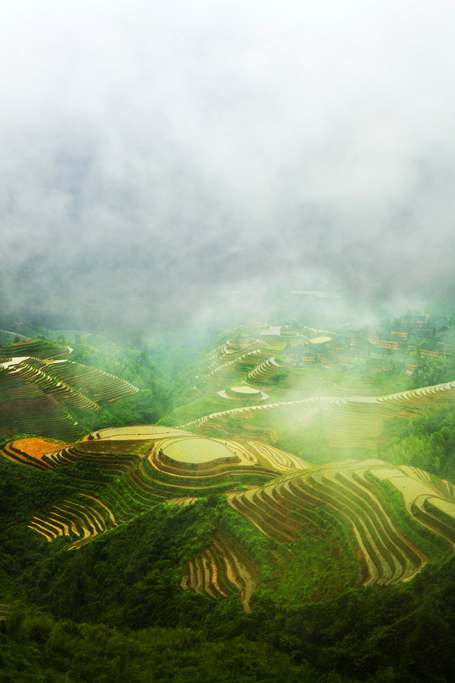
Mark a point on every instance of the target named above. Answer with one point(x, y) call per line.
point(151, 157)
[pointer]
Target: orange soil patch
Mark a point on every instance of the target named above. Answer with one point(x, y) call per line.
point(36, 447)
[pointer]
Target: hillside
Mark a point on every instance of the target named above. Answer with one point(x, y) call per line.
point(42, 390)
point(280, 495)
point(366, 522)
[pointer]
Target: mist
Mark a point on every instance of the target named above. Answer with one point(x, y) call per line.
point(153, 157)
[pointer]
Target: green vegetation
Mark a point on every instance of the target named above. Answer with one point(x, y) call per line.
point(323, 566)
point(174, 567)
point(36, 648)
point(435, 371)
point(427, 441)
point(403, 634)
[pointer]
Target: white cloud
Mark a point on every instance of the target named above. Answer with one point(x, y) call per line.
point(195, 132)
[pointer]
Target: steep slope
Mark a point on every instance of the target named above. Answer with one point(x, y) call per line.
point(38, 394)
point(345, 524)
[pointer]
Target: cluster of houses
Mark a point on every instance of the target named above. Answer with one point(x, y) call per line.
point(414, 336)
point(418, 336)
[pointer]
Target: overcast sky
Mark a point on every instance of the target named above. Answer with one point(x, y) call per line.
point(153, 153)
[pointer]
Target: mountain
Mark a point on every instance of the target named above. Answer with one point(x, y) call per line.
point(292, 510)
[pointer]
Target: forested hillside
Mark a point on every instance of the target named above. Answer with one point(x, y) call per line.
point(280, 504)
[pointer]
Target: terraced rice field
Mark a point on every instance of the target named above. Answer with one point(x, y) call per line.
point(390, 548)
point(29, 451)
point(222, 570)
point(320, 340)
point(243, 393)
point(98, 385)
point(81, 519)
point(26, 407)
point(198, 451)
point(371, 522)
point(264, 371)
point(147, 465)
point(222, 372)
point(351, 421)
point(254, 363)
point(38, 394)
point(36, 349)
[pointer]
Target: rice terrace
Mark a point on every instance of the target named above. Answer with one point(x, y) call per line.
point(297, 467)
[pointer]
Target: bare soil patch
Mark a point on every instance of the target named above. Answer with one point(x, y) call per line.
point(36, 447)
